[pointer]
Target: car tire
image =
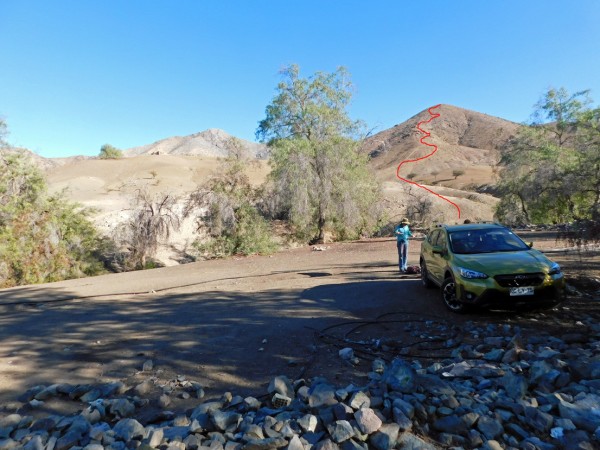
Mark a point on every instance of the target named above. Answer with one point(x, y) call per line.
point(425, 281)
point(449, 297)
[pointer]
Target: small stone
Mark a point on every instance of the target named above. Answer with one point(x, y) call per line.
point(492, 445)
point(148, 365)
point(346, 353)
point(164, 401)
point(143, 388)
point(181, 421)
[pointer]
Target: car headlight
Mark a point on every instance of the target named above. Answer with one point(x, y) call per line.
point(468, 273)
point(554, 269)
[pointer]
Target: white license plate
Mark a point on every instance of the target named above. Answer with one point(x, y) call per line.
point(525, 290)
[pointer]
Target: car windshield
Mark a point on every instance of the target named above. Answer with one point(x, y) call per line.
point(488, 240)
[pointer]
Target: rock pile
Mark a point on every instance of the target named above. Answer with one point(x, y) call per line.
point(506, 392)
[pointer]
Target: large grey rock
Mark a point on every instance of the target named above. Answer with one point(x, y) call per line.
point(175, 433)
point(282, 385)
point(155, 437)
point(68, 441)
point(226, 420)
point(11, 421)
point(351, 444)
point(409, 441)
point(489, 427)
point(340, 431)
point(407, 409)
point(515, 385)
point(122, 408)
point(36, 443)
point(308, 422)
point(367, 420)
point(360, 400)
point(321, 395)
point(401, 420)
point(129, 429)
point(583, 413)
point(326, 444)
point(295, 444)
point(537, 370)
point(8, 444)
point(538, 419)
point(400, 376)
point(450, 424)
point(386, 437)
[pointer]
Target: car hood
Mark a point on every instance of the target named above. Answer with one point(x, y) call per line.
point(528, 261)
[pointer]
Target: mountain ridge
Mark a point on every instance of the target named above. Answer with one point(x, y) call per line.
point(464, 138)
point(213, 142)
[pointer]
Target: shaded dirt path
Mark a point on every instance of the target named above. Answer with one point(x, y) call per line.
point(229, 324)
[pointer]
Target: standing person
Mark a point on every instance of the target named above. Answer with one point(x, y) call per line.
point(402, 234)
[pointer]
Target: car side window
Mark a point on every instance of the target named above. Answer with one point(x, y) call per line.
point(441, 240)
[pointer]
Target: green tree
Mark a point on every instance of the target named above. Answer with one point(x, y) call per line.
point(551, 170)
point(42, 237)
point(319, 180)
point(107, 151)
point(228, 215)
point(411, 175)
point(457, 173)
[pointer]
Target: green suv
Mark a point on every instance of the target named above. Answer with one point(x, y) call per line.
point(487, 265)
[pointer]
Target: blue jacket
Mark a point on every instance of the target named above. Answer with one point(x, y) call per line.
point(402, 233)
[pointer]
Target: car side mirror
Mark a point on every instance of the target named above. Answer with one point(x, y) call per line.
point(530, 244)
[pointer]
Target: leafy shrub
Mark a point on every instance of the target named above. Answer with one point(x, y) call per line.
point(107, 151)
point(228, 215)
point(42, 238)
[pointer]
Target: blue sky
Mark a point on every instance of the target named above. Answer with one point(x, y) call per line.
point(78, 74)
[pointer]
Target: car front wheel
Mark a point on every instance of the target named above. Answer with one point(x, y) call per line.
point(425, 276)
point(450, 298)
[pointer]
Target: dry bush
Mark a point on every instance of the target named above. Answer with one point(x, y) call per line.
point(152, 221)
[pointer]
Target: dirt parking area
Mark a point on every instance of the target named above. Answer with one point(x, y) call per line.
point(232, 325)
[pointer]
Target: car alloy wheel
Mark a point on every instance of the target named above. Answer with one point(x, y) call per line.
point(449, 296)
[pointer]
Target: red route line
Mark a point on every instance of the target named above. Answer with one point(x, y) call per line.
point(435, 148)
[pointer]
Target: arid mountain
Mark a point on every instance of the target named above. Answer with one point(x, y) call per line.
point(212, 143)
point(465, 139)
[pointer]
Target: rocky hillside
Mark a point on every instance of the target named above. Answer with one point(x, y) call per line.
point(465, 139)
point(212, 143)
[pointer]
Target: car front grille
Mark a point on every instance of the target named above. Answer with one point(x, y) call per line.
point(520, 279)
